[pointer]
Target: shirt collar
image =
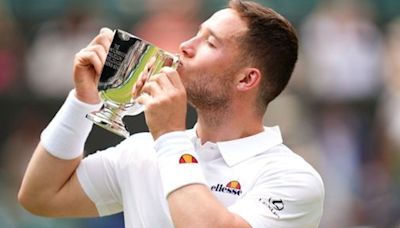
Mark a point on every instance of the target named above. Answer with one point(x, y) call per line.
point(238, 150)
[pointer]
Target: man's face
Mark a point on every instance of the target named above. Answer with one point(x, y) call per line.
point(210, 60)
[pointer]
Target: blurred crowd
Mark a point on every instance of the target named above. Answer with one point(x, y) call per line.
point(341, 111)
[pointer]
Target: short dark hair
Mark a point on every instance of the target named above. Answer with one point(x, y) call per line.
point(271, 44)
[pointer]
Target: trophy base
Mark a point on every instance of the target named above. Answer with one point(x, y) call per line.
point(114, 125)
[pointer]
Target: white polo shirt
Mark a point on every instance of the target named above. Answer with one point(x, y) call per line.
point(256, 177)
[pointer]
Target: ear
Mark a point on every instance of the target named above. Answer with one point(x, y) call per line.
point(248, 79)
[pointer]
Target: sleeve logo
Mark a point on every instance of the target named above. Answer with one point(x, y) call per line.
point(187, 158)
point(274, 205)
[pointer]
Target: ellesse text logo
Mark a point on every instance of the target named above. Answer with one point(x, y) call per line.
point(233, 187)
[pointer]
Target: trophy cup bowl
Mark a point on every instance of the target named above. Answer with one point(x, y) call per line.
point(130, 59)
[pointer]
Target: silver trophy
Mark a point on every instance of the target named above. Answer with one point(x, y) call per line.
point(129, 60)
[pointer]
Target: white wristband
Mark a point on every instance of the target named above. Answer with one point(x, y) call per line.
point(178, 162)
point(66, 134)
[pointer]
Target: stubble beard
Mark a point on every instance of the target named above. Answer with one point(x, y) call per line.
point(211, 96)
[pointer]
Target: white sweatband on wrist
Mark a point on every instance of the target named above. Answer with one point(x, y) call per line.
point(66, 134)
point(177, 161)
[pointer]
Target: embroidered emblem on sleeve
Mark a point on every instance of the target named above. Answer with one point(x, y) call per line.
point(187, 158)
point(274, 205)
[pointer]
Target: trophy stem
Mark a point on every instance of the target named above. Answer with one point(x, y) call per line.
point(110, 118)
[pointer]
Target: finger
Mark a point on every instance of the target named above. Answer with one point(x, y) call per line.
point(90, 58)
point(104, 39)
point(101, 39)
point(144, 99)
point(152, 88)
point(100, 51)
point(139, 84)
point(108, 32)
point(173, 77)
point(164, 82)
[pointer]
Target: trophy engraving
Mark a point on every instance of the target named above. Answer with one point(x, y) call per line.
point(129, 60)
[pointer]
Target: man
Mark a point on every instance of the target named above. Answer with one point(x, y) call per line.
point(229, 171)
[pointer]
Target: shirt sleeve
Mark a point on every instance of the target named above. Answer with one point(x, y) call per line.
point(283, 199)
point(97, 174)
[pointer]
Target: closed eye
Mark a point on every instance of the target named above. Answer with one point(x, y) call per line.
point(210, 44)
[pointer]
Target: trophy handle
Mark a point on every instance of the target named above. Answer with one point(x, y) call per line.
point(175, 62)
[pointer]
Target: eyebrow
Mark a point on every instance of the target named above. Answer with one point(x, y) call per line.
point(211, 32)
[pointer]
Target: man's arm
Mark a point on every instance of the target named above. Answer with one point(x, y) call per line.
point(50, 186)
point(195, 205)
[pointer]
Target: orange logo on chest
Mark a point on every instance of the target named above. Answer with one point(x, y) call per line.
point(187, 158)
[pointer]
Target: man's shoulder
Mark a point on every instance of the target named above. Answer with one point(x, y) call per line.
point(286, 178)
point(147, 138)
point(137, 139)
point(285, 157)
point(144, 137)
point(134, 145)
point(287, 166)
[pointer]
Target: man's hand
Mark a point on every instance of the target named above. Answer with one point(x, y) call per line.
point(88, 65)
point(164, 98)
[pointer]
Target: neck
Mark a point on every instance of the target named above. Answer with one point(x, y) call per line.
point(217, 126)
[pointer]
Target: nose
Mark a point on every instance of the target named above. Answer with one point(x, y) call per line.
point(187, 48)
